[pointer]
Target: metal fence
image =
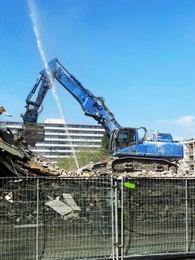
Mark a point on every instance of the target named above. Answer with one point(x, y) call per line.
point(95, 218)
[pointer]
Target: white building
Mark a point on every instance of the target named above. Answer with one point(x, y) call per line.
point(63, 139)
point(189, 156)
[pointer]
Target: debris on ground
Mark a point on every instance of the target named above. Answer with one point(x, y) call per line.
point(16, 159)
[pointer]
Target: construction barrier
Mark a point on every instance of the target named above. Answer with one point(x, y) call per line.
point(96, 218)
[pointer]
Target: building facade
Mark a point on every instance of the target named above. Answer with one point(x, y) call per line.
point(62, 140)
point(189, 156)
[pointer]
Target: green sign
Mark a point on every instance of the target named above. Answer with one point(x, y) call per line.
point(129, 185)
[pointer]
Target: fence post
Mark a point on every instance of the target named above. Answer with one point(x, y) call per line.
point(115, 227)
point(186, 209)
point(121, 219)
point(113, 217)
point(117, 219)
point(37, 223)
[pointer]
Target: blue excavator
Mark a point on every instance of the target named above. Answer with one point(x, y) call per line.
point(157, 151)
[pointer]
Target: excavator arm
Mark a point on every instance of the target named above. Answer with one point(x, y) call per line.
point(32, 132)
point(91, 105)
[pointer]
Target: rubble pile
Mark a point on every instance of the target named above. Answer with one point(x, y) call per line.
point(39, 165)
point(19, 198)
point(16, 159)
point(105, 169)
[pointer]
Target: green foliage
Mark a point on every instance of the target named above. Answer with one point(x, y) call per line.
point(67, 163)
point(84, 156)
point(105, 142)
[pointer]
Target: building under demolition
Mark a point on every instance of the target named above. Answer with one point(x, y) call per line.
point(61, 139)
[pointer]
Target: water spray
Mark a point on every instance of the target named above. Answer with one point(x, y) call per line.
point(33, 16)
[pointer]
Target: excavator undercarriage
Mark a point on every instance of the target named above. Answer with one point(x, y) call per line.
point(131, 164)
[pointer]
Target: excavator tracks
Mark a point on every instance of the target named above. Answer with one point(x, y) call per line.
point(131, 164)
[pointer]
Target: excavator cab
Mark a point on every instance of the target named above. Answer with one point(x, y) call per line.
point(123, 137)
point(126, 138)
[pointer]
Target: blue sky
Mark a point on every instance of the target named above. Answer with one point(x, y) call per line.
point(138, 54)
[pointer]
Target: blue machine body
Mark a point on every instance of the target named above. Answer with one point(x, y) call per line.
point(124, 141)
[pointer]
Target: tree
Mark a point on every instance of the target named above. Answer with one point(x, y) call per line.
point(105, 142)
point(85, 155)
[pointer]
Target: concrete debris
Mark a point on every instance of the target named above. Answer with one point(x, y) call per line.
point(68, 199)
point(56, 202)
point(67, 209)
point(59, 206)
point(9, 197)
point(16, 159)
point(91, 170)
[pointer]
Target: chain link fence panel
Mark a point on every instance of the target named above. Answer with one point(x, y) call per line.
point(159, 216)
point(95, 218)
point(47, 218)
